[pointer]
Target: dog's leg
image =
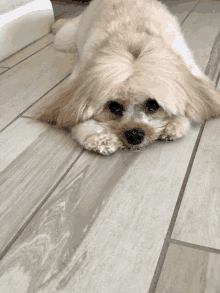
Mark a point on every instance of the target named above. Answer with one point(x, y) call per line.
point(66, 37)
point(93, 136)
point(175, 128)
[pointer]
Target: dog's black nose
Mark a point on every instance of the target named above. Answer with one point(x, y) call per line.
point(134, 136)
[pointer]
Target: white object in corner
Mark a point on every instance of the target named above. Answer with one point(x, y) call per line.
point(23, 25)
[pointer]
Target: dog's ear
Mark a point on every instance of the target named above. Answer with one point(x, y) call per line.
point(202, 102)
point(73, 104)
point(52, 115)
point(75, 111)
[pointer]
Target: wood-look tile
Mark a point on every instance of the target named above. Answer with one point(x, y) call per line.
point(180, 9)
point(33, 158)
point(189, 270)
point(200, 30)
point(39, 107)
point(198, 218)
point(2, 69)
point(28, 51)
point(28, 81)
point(213, 67)
point(103, 227)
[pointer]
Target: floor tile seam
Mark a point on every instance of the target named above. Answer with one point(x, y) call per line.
point(24, 111)
point(193, 245)
point(24, 49)
point(166, 243)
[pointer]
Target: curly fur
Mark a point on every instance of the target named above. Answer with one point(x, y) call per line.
point(131, 52)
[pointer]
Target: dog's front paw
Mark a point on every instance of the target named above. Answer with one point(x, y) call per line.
point(175, 129)
point(94, 137)
point(102, 143)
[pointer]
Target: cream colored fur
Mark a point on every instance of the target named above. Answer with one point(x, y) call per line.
point(132, 53)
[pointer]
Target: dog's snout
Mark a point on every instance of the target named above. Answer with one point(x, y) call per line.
point(134, 136)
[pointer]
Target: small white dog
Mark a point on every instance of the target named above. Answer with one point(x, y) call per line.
point(136, 80)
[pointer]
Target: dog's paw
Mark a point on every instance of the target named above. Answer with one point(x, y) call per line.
point(175, 129)
point(102, 143)
point(168, 137)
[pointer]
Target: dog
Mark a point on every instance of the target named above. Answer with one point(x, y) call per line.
point(136, 80)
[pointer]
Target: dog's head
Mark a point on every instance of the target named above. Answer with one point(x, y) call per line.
point(135, 90)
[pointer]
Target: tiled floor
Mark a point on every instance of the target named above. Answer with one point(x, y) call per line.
point(71, 221)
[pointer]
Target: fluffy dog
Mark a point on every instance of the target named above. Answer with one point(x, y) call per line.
point(136, 80)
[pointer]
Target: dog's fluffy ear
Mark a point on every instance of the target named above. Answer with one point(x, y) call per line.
point(54, 114)
point(203, 102)
point(72, 106)
point(74, 112)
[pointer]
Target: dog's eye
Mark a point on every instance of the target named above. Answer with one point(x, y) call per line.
point(151, 105)
point(116, 108)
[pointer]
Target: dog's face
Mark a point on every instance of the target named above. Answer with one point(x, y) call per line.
point(139, 111)
point(133, 92)
point(135, 124)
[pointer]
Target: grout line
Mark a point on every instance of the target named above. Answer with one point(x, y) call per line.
point(217, 80)
point(194, 246)
point(21, 114)
point(22, 228)
point(4, 67)
point(4, 71)
point(23, 49)
point(30, 55)
point(167, 239)
point(189, 13)
point(183, 187)
point(213, 62)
